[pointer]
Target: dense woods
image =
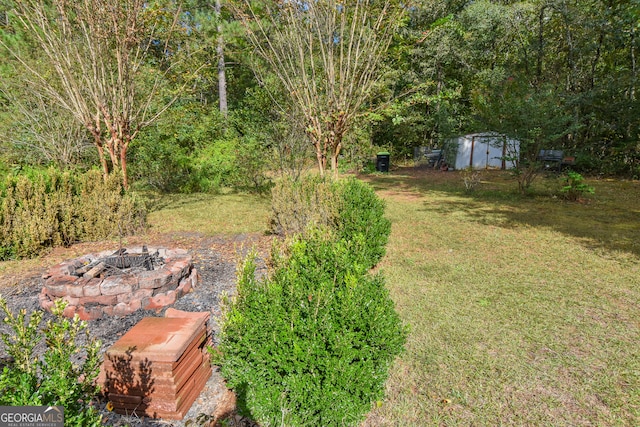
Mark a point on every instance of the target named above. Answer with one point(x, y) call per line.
point(197, 95)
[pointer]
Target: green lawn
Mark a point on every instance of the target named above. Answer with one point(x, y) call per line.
point(523, 311)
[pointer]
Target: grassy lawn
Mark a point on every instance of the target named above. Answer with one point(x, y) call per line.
point(210, 214)
point(522, 311)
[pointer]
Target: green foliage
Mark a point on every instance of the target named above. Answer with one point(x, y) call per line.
point(65, 375)
point(350, 208)
point(214, 167)
point(361, 220)
point(190, 151)
point(310, 345)
point(252, 160)
point(56, 208)
point(575, 187)
point(172, 155)
point(300, 203)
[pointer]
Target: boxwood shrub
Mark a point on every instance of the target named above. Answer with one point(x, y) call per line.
point(348, 207)
point(54, 208)
point(311, 343)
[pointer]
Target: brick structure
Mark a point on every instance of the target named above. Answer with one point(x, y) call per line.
point(119, 295)
point(159, 367)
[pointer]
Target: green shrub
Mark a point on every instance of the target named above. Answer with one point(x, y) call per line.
point(575, 187)
point(349, 207)
point(297, 204)
point(310, 345)
point(167, 155)
point(361, 217)
point(213, 167)
point(253, 159)
point(65, 375)
point(59, 208)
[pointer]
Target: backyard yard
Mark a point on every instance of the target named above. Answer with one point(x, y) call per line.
point(522, 310)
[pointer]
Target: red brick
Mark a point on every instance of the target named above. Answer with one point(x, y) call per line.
point(174, 313)
point(69, 311)
point(161, 300)
point(121, 309)
point(142, 293)
point(114, 286)
point(89, 313)
point(92, 288)
point(45, 302)
point(125, 298)
point(74, 290)
point(101, 299)
point(135, 305)
point(72, 300)
point(56, 289)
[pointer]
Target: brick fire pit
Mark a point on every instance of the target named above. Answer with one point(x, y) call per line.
point(92, 295)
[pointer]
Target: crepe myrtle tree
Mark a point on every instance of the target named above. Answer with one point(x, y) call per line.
point(99, 55)
point(327, 54)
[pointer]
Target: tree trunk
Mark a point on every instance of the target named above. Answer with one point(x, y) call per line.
point(123, 165)
point(634, 70)
point(222, 77)
point(336, 147)
point(97, 141)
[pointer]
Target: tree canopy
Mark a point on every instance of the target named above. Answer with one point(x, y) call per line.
point(270, 77)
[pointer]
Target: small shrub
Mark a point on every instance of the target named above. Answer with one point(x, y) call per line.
point(65, 374)
point(252, 161)
point(310, 345)
point(575, 188)
point(300, 203)
point(361, 217)
point(471, 179)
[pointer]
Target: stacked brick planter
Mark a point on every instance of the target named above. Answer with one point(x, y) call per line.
point(159, 367)
point(92, 298)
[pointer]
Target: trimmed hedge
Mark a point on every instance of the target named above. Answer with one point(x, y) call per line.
point(60, 208)
point(350, 208)
point(311, 344)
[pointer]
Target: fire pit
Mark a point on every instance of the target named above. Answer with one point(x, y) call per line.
point(119, 283)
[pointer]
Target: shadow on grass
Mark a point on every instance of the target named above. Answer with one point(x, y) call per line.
point(610, 219)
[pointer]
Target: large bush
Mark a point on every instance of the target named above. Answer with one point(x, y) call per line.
point(348, 207)
point(59, 208)
point(310, 345)
point(193, 148)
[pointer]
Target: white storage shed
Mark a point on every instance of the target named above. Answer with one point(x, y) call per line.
point(488, 150)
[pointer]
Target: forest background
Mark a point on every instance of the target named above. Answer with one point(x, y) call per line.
point(204, 110)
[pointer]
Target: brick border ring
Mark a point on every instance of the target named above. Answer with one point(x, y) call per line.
point(121, 294)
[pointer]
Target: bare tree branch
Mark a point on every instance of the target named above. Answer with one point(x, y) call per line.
point(99, 53)
point(328, 55)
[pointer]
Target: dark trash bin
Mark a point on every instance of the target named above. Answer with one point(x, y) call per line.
point(382, 163)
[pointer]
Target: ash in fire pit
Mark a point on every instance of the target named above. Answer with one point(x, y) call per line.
point(120, 262)
point(119, 283)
